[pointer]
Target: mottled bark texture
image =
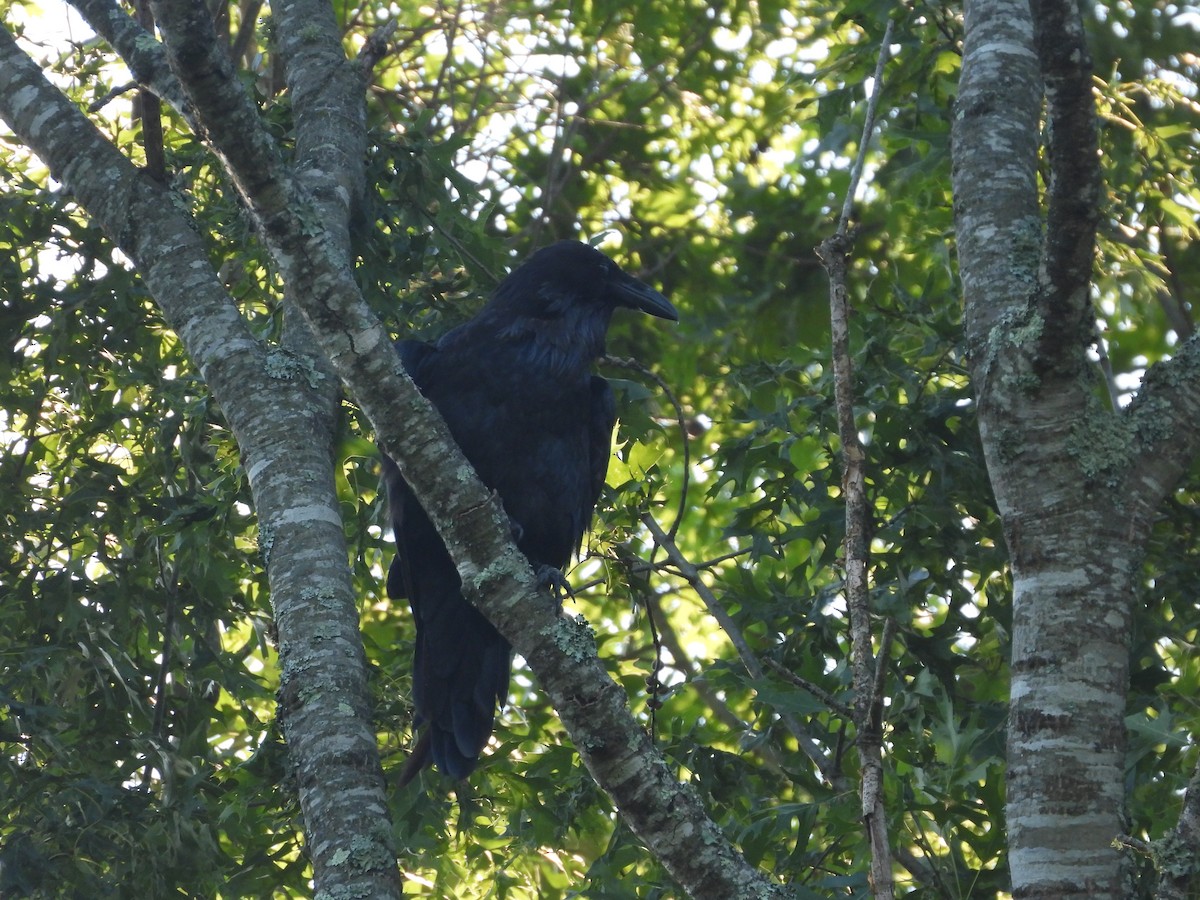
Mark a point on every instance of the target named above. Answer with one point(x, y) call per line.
point(276, 402)
point(279, 406)
point(1076, 482)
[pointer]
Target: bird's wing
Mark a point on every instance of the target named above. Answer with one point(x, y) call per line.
point(413, 355)
point(460, 662)
point(601, 421)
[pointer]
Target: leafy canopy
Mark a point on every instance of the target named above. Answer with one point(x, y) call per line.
point(711, 143)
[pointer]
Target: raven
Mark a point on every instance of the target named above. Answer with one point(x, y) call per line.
point(516, 389)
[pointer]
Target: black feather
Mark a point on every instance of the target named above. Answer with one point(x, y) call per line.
point(515, 387)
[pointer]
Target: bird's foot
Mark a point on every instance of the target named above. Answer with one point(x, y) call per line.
point(548, 576)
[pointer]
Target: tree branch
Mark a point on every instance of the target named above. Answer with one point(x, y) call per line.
point(1074, 546)
point(271, 413)
point(137, 47)
point(331, 142)
point(696, 681)
point(836, 706)
point(327, 93)
point(1075, 189)
point(1164, 423)
point(868, 703)
point(149, 112)
point(868, 131)
point(667, 816)
point(995, 139)
point(230, 118)
point(807, 742)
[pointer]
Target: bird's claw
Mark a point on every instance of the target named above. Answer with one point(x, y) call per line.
point(549, 576)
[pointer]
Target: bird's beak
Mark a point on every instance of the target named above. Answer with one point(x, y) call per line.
point(636, 294)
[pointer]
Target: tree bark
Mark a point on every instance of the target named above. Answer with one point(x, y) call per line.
point(279, 408)
point(330, 744)
point(1071, 476)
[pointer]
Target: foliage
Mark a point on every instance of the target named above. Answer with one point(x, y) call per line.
point(136, 695)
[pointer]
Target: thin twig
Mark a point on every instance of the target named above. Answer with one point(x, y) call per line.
point(1137, 845)
point(711, 603)
point(868, 129)
point(697, 682)
point(248, 25)
point(168, 577)
point(653, 685)
point(652, 682)
point(812, 749)
point(881, 660)
point(835, 705)
point(642, 566)
point(110, 95)
point(866, 676)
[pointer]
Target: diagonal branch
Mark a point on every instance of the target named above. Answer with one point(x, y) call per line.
point(666, 815)
point(807, 743)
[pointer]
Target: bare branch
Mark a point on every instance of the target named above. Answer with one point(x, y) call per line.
point(835, 705)
point(720, 708)
point(247, 26)
point(1164, 420)
point(868, 130)
point(149, 112)
point(868, 703)
point(111, 94)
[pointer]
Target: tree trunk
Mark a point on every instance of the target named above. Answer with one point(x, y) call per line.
point(280, 407)
point(1056, 461)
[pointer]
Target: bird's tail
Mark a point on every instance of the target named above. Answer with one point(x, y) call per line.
point(417, 760)
point(460, 676)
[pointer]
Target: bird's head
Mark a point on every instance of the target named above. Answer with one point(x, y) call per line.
point(560, 300)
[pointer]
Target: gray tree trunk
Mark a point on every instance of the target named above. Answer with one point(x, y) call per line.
point(279, 403)
point(1076, 482)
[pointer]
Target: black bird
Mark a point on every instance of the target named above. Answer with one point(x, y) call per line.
point(516, 389)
